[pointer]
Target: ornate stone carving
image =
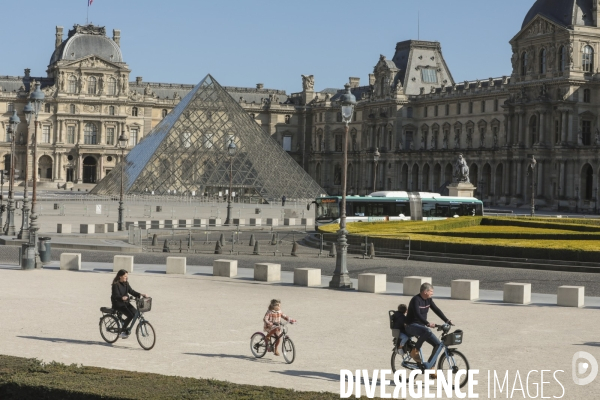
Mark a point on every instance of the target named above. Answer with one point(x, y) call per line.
point(460, 172)
point(308, 83)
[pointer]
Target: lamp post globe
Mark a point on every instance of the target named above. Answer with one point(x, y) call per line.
point(341, 279)
point(231, 150)
point(24, 232)
point(122, 143)
point(13, 123)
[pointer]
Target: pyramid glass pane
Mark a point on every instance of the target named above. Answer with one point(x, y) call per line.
point(186, 153)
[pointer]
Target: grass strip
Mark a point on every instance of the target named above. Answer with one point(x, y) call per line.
point(25, 378)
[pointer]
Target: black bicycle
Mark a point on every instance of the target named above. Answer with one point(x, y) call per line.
point(112, 320)
point(258, 344)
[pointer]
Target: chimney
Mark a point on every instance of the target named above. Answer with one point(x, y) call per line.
point(27, 72)
point(371, 79)
point(117, 36)
point(354, 82)
point(138, 80)
point(59, 34)
point(260, 85)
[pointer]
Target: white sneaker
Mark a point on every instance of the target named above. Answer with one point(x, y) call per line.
point(124, 335)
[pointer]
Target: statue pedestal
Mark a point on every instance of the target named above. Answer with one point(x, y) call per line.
point(461, 189)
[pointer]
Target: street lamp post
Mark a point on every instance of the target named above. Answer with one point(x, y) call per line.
point(122, 145)
point(10, 217)
point(37, 99)
point(532, 163)
point(231, 150)
point(376, 156)
point(341, 279)
point(24, 232)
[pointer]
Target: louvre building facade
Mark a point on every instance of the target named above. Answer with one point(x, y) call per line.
point(411, 111)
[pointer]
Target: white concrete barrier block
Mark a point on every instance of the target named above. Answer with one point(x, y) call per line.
point(255, 221)
point(112, 227)
point(226, 268)
point(215, 222)
point(412, 284)
point(307, 221)
point(145, 224)
point(239, 221)
point(70, 261)
point(267, 272)
point(464, 289)
point(100, 228)
point(571, 296)
point(273, 221)
point(200, 222)
point(176, 265)
point(123, 262)
point(157, 224)
point(63, 228)
point(372, 283)
point(518, 293)
point(185, 223)
point(130, 223)
point(169, 223)
point(289, 221)
point(87, 228)
point(307, 277)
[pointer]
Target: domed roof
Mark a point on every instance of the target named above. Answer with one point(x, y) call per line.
point(85, 41)
point(563, 12)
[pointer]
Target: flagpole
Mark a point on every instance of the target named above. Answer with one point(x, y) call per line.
point(88, 12)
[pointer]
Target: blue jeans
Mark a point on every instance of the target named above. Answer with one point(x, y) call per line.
point(403, 339)
point(424, 334)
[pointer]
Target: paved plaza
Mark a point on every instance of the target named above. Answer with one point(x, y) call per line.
point(204, 324)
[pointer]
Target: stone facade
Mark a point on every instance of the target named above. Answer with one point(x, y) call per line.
point(411, 111)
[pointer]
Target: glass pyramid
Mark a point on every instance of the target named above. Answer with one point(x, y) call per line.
point(186, 153)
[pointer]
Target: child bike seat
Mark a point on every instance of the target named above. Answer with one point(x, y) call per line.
point(107, 310)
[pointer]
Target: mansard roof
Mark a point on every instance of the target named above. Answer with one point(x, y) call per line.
point(84, 41)
point(563, 12)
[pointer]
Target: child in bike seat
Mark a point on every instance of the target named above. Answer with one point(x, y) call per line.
point(272, 320)
point(398, 319)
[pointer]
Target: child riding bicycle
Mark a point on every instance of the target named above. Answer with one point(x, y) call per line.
point(272, 320)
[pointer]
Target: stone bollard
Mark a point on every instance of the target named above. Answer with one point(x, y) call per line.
point(123, 262)
point(372, 283)
point(273, 240)
point(332, 250)
point(166, 248)
point(176, 265)
point(251, 240)
point(294, 249)
point(464, 289)
point(372, 251)
point(256, 249)
point(221, 239)
point(518, 293)
point(412, 284)
point(307, 277)
point(226, 268)
point(154, 239)
point(218, 248)
point(267, 272)
point(571, 296)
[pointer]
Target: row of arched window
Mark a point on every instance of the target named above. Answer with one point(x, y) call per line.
point(587, 60)
point(92, 85)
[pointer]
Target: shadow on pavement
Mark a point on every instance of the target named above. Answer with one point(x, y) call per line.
point(72, 341)
point(150, 271)
point(594, 344)
point(311, 374)
point(103, 269)
point(50, 267)
point(239, 357)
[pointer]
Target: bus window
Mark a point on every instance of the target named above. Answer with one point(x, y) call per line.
point(442, 210)
point(429, 209)
point(377, 210)
point(402, 208)
point(328, 211)
point(359, 210)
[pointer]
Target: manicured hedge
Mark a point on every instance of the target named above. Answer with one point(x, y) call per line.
point(578, 225)
point(515, 235)
point(22, 378)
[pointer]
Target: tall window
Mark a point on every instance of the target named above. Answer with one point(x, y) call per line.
point(111, 87)
point(429, 75)
point(495, 104)
point(447, 109)
point(458, 108)
point(72, 108)
point(425, 111)
point(435, 111)
point(587, 62)
point(46, 134)
point(46, 108)
point(11, 107)
point(470, 107)
point(409, 112)
point(133, 137)
point(524, 63)
point(562, 58)
point(288, 119)
point(338, 143)
point(586, 132)
point(287, 143)
point(543, 61)
point(207, 140)
point(483, 106)
point(533, 129)
point(134, 111)
point(587, 94)
point(92, 85)
point(90, 133)
point(556, 131)
point(70, 134)
point(111, 110)
point(164, 113)
point(72, 87)
point(110, 136)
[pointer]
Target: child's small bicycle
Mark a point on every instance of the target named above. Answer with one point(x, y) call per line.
point(258, 344)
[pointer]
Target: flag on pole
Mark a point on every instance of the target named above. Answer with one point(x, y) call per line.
point(90, 2)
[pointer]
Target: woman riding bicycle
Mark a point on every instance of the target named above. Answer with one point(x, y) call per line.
point(120, 299)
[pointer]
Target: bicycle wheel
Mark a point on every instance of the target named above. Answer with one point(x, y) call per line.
point(110, 328)
point(145, 335)
point(456, 362)
point(258, 345)
point(289, 350)
point(398, 358)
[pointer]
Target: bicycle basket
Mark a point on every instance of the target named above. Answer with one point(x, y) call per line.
point(454, 338)
point(144, 304)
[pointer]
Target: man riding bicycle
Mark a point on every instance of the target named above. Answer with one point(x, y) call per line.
point(416, 320)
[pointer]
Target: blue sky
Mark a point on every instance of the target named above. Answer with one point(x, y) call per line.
point(242, 43)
